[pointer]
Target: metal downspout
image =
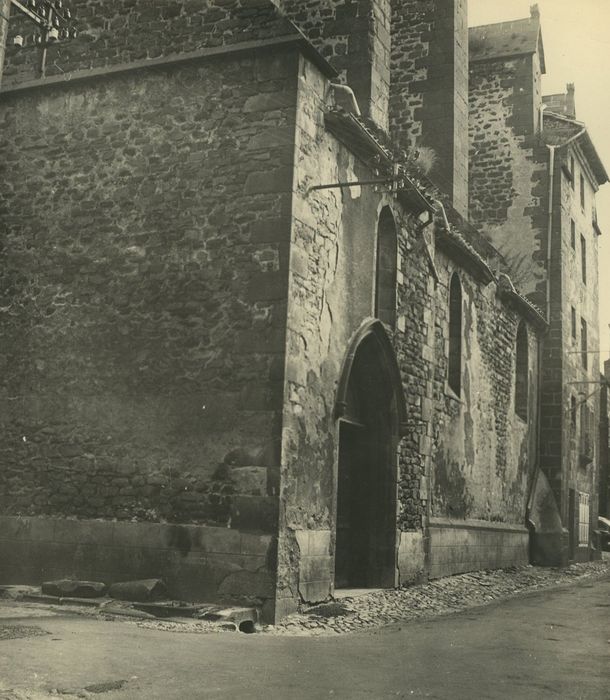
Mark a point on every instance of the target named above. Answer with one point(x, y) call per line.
point(5, 9)
point(549, 243)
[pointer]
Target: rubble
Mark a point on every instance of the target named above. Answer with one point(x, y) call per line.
point(139, 591)
point(439, 597)
point(68, 588)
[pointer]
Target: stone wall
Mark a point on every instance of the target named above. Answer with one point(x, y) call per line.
point(429, 89)
point(457, 547)
point(604, 444)
point(197, 563)
point(332, 273)
point(571, 375)
point(508, 169)
point(116, 32)
point(354, 36)
point(332, 261)
point(144, 251)
point(484, 454)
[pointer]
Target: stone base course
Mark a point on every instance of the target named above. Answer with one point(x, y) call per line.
point(459, 547)
point(196, 562)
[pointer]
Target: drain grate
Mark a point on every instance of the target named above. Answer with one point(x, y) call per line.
point(20, 632)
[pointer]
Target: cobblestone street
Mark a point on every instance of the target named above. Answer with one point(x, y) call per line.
point(527, 645)
point(434, 598)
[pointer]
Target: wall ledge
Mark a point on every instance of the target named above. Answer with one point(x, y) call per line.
point(437, 523)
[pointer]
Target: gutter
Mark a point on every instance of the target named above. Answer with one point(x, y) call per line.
point(457, 246)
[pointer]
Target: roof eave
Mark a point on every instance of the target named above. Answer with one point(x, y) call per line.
point(601, 174)
point(599, 170)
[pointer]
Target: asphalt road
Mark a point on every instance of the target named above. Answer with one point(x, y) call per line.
point(553, 644)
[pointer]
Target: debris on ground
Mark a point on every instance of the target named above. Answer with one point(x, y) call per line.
point(70, 588)
point(20, 631)
point(364, 610)
point(438, 597)
point(139, 591)
point(169, 608)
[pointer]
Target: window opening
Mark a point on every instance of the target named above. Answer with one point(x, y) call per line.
point(521, 374)
point(583, 518)
point(454, 375)
point(387, 253)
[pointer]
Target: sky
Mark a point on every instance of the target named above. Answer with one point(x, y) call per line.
point(577, 50)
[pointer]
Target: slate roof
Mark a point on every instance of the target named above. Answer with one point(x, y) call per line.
point(558, 129)
point(505, 39)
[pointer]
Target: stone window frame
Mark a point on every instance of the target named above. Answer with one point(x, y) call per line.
point(573, 322)
point(583, 259)
point(582, 192)
point(455, 341)
point(573, 234)
point(522, 372)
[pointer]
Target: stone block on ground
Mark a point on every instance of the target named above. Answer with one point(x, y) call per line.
point(236, 614)
point(74, 588)
point(139, 591)
point(170, 608)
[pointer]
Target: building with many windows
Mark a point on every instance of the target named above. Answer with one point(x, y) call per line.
point(538, 209)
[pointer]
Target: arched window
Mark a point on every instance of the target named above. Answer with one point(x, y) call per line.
point(454, 373)
point(521, 373)
point(385, 279)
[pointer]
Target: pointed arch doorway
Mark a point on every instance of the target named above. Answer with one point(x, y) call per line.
point(372, 419)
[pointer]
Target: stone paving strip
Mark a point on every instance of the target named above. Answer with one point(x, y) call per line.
point(438, 597)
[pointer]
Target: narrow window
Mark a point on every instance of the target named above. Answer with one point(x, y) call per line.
point(583, 519)
point(387, 252)
point(573, 234)
point(583, 259)
point(584, 343)
point(573, 323)
point(573, 412)
point(454, 374)
point(584, 432)
point(582, 192)
point(521, 374)
point(572, 170)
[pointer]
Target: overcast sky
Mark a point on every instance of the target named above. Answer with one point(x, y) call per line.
point(577, 50)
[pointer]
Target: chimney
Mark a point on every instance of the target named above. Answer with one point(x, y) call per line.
point(429, 88)
point(535, 12)
point(570, 101)
point(5, 8)
point(354, 36)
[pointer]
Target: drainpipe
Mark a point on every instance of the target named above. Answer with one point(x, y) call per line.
point(5, 8)
point(345, 98)
point(445, 219)
point(549, 244)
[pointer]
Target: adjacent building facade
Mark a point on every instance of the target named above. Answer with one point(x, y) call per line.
point(279, 315)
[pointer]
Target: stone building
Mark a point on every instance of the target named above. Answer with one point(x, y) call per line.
point(534, 175)
point(604, 443)
point(250, 341)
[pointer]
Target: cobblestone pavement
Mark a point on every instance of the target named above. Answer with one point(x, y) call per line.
point(358, 613)
point(439, 597)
